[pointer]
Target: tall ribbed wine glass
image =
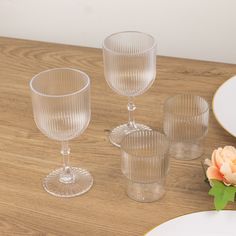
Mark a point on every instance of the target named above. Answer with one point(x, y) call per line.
point(130, 69)
point(61, 107)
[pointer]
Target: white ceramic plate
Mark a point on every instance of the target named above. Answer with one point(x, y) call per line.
point(206, 223)
point(224, 105)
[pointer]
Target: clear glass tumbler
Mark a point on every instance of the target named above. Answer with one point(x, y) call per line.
point(145, 163)
point(61, 107)
point(130, 70)
point(186, 125)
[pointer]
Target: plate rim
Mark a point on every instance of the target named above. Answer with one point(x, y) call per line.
point(213, 104)
point(192, 213)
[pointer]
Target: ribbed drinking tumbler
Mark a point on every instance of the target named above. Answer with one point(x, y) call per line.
point(144, 163)
point(186, 125)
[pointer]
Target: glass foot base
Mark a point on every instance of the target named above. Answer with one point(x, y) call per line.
point(83, 181)
point(118, 133)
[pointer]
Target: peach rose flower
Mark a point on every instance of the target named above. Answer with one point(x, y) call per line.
point(222, 165)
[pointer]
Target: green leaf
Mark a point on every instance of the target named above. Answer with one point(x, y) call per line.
point(222, 194)
point(230, 193)
point(217, 183)
point(220, 203)
point(217, 189)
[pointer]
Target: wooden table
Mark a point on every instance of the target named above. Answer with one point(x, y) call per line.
point(27, 156)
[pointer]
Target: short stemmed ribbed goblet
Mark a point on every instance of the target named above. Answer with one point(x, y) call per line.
point(61, 107)
point(130, 69)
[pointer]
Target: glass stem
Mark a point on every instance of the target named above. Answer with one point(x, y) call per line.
point(67, 174)
point(131, 108)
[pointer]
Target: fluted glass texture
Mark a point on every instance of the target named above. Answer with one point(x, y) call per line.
point(186, 124)
point(144, 156)
point(145, 163)
point(129, 62)
point(61, 103)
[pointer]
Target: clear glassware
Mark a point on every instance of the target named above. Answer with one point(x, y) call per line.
point(130, 70)
point(186, 125)
point(61, 107)
point(145, 164)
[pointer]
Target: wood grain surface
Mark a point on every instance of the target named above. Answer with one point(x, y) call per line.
point(26, 156)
